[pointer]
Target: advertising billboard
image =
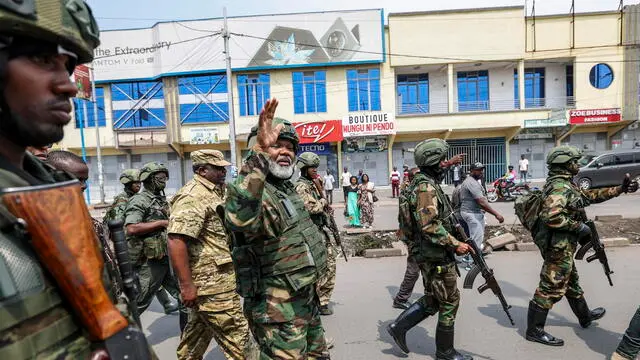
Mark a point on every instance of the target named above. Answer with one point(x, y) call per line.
point(257, 42)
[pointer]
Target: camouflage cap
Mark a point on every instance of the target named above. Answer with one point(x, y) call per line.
point(308, 159)
point(430, 152)
point(68, 23)
point(129, 175)
point(212, 157)
point(563, 154)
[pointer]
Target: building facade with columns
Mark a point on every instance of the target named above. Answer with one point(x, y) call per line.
point(494, 83)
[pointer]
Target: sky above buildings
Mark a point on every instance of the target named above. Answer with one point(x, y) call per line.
point(123, 14)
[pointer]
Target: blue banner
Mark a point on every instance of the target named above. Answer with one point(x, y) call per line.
point(318, 149)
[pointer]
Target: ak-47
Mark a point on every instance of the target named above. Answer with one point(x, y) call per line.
point(595, 243)
point(480, 267)
point(129, 283)
point(331, 221)
point(63, 238)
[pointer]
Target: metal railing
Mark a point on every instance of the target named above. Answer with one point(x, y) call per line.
point(563, 102)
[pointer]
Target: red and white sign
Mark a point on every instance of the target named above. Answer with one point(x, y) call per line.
point(368, 124)
point(83, 81)
point(319, 131)
point(594, 116)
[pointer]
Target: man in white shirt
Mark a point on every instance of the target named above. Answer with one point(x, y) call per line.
point(524, 168)
point(395, 182)
point(346, 181)
point(328, 186)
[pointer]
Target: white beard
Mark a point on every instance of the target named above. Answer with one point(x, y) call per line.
point(281, 172)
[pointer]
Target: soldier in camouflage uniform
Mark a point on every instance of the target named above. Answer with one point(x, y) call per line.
point(146, 218)
point(202, 261)
point(130, 178)
point(41, 43)
point(428, 231)
point(278, 252)
point(316, 205)
point(557, 233)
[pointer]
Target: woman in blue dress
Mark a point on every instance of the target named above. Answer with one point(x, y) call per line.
point(353, 211)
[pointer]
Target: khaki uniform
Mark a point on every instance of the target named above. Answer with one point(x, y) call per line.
point(218, 314)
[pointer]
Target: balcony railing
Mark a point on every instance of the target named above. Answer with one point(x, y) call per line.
point(489, 105)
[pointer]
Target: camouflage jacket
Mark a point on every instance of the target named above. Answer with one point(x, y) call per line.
point(430, 208)
point(116, 210)
point(254, 209)
point(313, 201)
point(193, 214)
point(145, 207)
point(565, 201)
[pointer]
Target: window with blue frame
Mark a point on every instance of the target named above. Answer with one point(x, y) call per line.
point(533, 88)
point(90, 120)
point(203, 99)
point(363, 89)
point(309, 91)
point(414, 93)
point(253, 90)
point(138, 105)
point(473, 90)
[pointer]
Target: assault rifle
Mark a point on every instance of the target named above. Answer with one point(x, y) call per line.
point(480, 267)
point(129, 283)
point(62, 236)
point(595, 244)
point(331, 221)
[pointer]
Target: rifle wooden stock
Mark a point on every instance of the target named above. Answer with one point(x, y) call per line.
point(63, 237)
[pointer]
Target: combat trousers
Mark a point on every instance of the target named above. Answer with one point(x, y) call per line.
point(327, 283)
point(286, 322)
point(441, 294)
point(559, 276)
point(152, 274)
point(411, 275)
point(216, 317)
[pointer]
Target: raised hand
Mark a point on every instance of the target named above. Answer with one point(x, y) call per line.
point(267, 134)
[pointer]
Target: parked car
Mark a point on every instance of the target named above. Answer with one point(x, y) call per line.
point(608, 169)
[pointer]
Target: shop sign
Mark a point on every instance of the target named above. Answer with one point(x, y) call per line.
point(318, 149)
point(82, 79)
point(533, 136)
point(594, 116)
point(368, 124)
point(319, 131)
point(539, 123)
point(204, 135)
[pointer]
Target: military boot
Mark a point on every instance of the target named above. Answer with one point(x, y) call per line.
point(444, 345)
point(584, 315)
point(169, 305)
point(536, 318)
point(408, 319)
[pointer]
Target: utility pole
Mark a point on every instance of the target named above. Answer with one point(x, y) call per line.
point(83, 123)
point(98, 149)
point(232, 121)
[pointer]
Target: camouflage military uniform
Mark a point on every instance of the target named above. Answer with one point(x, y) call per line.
point(117, 208)
point(279, 256)
point(218, 313)
point(315, 205)
point(557, 236)
point(149, 252)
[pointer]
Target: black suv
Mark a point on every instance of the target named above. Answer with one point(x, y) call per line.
point(608, 169)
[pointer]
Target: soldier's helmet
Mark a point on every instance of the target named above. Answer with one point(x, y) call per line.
point(151, 168)
point(564, 154)
point(308, 159)
point(287, 133)
point(430, 152)
point(129, 175)
point(67, 23)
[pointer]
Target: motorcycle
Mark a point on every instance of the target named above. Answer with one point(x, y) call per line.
point(499, 192)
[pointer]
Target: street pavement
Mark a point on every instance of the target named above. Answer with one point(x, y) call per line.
point(362, 305)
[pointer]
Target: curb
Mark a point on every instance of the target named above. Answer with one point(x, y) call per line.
point(608, 243)
point(376, 253)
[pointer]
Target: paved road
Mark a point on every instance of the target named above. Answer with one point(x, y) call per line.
point(365, 288)
point(386, 211)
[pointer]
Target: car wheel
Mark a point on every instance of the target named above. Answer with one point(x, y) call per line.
point(492, 196)
point(584, 184)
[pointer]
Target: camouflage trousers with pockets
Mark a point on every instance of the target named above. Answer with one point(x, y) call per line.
point(285, 322)
point(559, 276)
point(441, 291)
point(327, 283)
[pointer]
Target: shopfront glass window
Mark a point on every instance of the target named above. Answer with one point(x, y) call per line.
point(601, 76)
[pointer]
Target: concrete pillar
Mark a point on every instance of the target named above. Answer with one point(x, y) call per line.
point(451, 95)
point(521, 84)
point(392, 139)
point(339, 147)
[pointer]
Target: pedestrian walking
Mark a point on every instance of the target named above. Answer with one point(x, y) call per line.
point(457, 175)
point(523, 165)
point(395, 182)
point(328, 186)
point(366, 194)
point(352, 208)
point(346, 182)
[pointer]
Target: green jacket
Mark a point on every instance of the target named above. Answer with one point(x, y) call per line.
point(145, 207)
point(118, 207)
